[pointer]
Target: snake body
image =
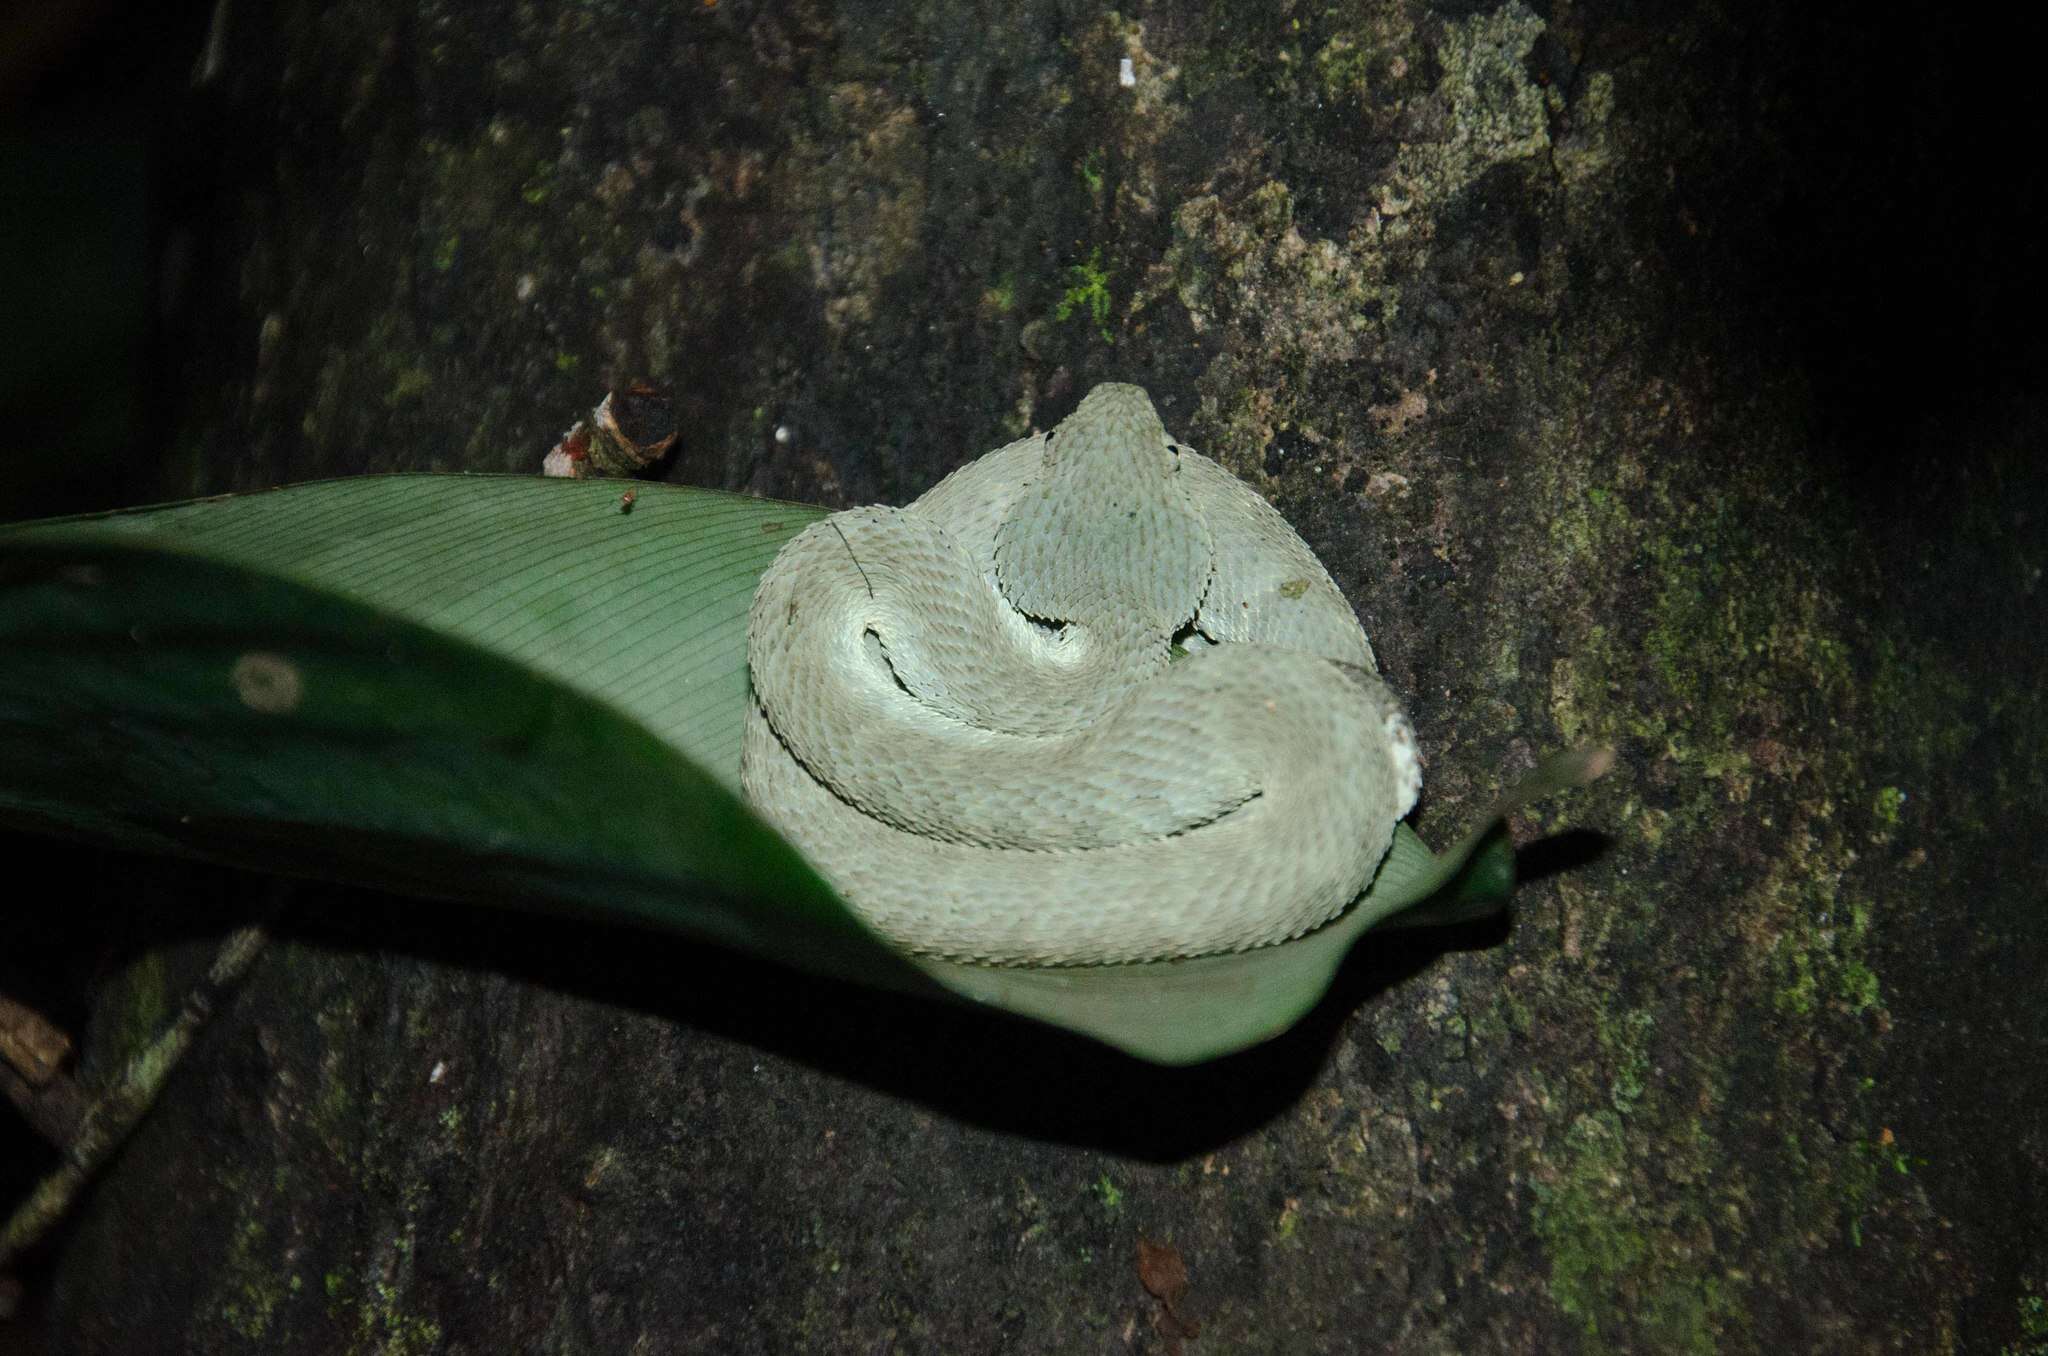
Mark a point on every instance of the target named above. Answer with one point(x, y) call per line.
point(1088, 701)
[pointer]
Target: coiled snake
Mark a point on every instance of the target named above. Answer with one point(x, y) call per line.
point(1088, 701)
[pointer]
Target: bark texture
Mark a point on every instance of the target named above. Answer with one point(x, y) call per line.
point(1640, 379)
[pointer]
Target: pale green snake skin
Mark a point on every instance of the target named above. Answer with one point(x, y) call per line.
point(971, 717)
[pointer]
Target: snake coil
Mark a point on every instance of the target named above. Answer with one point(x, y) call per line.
point(1088, 701)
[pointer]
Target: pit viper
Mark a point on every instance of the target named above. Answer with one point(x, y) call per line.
point(1089, 701)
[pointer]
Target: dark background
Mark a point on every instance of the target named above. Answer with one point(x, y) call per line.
point(1732, 456)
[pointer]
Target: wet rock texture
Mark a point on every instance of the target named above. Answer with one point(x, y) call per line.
point(1642, 380)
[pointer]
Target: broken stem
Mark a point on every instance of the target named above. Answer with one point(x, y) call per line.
point(110, 1118)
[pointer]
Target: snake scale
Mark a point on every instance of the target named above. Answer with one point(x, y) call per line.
point(1088, 701)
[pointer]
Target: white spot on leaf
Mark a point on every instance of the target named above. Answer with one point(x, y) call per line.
point(268, 682)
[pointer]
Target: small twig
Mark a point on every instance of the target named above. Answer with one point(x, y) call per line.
point(30, 1044)
point(851, 556)
point(33, 1052)
point(107, 1122)
point(53, 1110)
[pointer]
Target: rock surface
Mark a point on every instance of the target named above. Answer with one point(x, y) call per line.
point(1641, 381)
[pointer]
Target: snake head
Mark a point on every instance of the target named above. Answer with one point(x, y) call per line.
point(1108, 527)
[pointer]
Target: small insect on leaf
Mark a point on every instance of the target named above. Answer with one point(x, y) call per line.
point(627, 500)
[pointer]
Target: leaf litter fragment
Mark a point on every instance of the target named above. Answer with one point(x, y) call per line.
point(1164, 1274)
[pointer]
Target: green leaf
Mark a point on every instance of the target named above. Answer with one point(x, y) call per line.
point(507, 689)
point(494, 688)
